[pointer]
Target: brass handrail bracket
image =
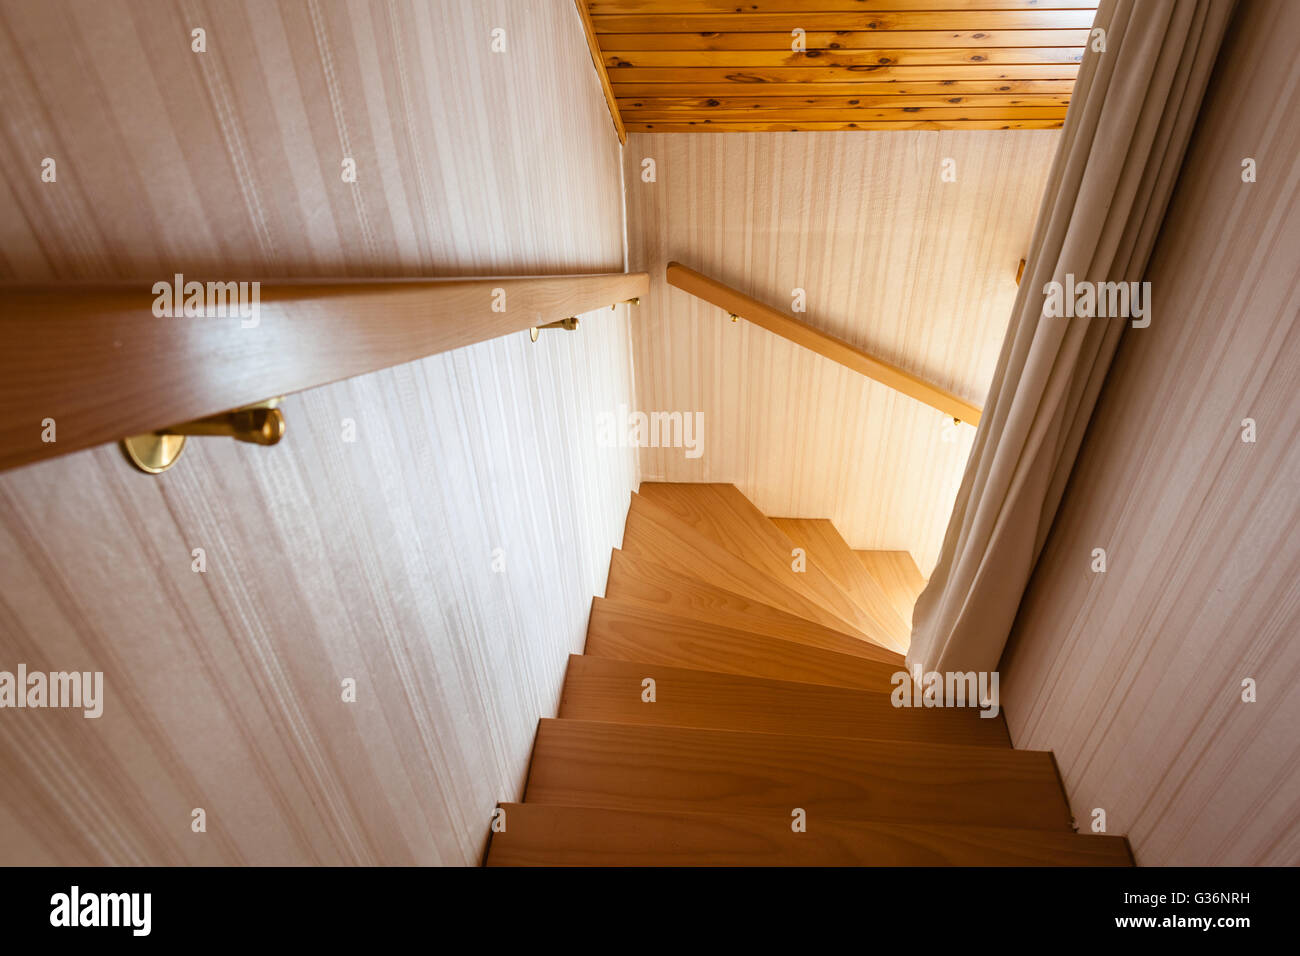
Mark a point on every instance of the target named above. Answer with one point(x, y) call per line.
point(570, 324)
point(154, 452)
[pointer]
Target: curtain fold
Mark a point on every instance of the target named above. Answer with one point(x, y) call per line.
point(1130, 119)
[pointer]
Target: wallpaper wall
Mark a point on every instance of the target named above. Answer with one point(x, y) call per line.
point(1169, 684)
point(444, 561)
point(904, 243)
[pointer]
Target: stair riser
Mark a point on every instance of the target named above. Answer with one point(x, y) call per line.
point(650, 768)
point(540, 835)
point(729, 519)
point(897, 575)
point(745, 654)
point(825, 548)
point(731, 711)
point(635, 578)
point(655, 532)
point(613, 690)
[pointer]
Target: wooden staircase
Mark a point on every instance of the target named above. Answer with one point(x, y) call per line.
point(771, 709)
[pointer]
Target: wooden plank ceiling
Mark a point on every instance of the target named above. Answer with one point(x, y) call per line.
point(731, 65)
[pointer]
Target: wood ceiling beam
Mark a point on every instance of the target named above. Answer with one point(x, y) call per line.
point(593, 47)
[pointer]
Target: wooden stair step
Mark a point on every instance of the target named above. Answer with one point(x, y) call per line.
point(773, 703)
point(611, 690)
point(627, 631)
point(647, 582)
point(832, 554)
point(557, 835)
point(655, 533)
point(898, 576)
point(722, 514)
point(635, 767)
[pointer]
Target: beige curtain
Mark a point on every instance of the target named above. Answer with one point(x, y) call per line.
point(1132, 113)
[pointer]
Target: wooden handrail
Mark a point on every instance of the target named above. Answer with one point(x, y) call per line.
point(100, 364)
point(800, 333)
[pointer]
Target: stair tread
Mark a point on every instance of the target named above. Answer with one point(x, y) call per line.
point(628, 631)
point(638, 767)
point(653, 532)
point(608, 689)
point(721, 514)
point(773, 702)
point(557, 835)
point(898, 577)
point(826, 548)
point(644, 581)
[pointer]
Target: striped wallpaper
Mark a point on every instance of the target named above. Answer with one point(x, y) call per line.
point(445, 560)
